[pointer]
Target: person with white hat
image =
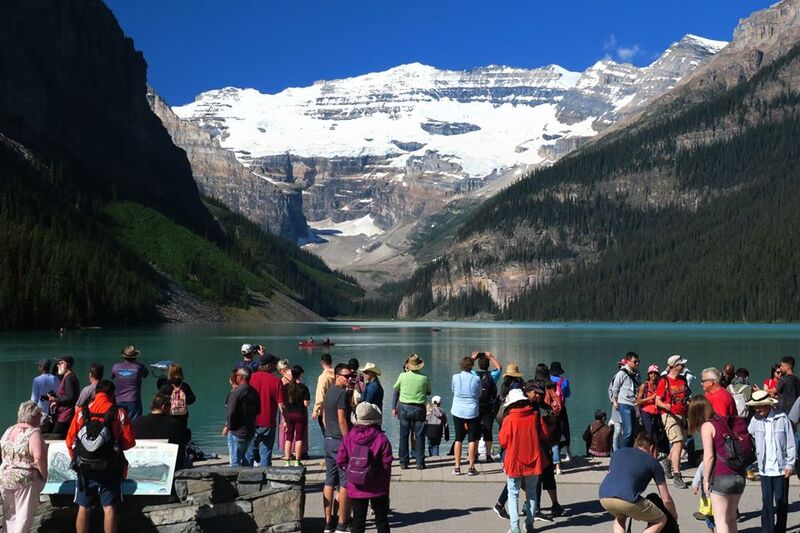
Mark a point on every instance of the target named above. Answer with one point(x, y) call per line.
point(776, 453)
point(521, 435)
point(672, 397)
point(373, 390)
point(436, 426)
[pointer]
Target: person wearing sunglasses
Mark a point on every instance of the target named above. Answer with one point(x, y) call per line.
point(336, 410)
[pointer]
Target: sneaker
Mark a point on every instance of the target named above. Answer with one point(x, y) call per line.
point(472, 472)
point(541, 518)
point(489, 459)
point(567, 458)
point(298, 463)
point(558, 469)
point(403, 466)
point(665, 464)
point(329, 528)
point(698, 515)
point(456, 471)
point(514, 530)
point(342, 528)
point(287, 462)
point(501, 511)
point(420, 466)
point(557, 510)
point(677, 481)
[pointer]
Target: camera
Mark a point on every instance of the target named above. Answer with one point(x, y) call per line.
point(481, 354)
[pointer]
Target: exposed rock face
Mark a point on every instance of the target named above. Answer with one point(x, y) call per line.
point(74, 91)
point(275, 207)
point(397, 146)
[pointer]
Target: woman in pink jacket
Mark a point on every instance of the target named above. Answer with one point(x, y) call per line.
point(366, 456)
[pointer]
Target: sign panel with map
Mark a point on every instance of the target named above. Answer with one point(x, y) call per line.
point(151, 467)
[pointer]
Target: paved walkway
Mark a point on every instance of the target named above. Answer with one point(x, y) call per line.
point(433, 500)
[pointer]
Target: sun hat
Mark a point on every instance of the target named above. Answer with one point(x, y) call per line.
point(415, 362)
point(653, 368)
point(367, 414)
point(370, 367)
point(247, 348)
point(761, 398)
point(66, 358)
point(676, 360)
point(512, 369)
point(437, 400)
point(556, 369)
point(130, 352)
point(44, 364)
point(514, 396)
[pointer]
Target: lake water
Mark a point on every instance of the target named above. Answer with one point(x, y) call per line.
point(588, 352)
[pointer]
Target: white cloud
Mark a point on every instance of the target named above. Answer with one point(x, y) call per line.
point(625, 54)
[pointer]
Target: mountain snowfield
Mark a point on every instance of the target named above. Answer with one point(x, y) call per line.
point(506, 114)
point(376, 155)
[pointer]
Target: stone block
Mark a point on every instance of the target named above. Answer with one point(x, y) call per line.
point(171, 514)
point(253, 475)
point(209, 472)
point(289, 527)
point(287, 474)
point(181, 489)
point(277, 508)
point(249, 488)
point(193, 486)
point(207, 512)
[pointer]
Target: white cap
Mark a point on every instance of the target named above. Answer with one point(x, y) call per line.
point(247, 348)
point(436, 399)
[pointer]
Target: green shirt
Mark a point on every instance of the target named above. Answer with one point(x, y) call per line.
point(413, 387)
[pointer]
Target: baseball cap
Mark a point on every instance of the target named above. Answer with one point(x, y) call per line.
point(247, 348)
point(436, 399)
point(44, 363)
point(653, 368)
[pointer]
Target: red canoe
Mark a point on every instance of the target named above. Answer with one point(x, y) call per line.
point(306, 344)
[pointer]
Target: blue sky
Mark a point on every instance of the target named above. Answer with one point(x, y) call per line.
point(196, 45)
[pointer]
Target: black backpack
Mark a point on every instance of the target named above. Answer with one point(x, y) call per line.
point(672, 525)
point(95, 448)
point(488, 395)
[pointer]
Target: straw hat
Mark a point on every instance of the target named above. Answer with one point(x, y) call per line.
point(370, 367)
point(676, 360)
point(130, 352)
point(761, 398)
point(367, 414)
point(415, 362)
point(512, 369)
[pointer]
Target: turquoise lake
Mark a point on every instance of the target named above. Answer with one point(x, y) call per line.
point(588, 352)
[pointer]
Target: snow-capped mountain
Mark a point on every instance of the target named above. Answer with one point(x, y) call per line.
point(385, 149)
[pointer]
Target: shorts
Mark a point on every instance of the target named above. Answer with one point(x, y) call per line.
point(487, 423)
point(643, 510)
point(548, 478)
point(467, 427)
point(90, 486)
point(728, 485)
point(334, 476)
point(674, 427)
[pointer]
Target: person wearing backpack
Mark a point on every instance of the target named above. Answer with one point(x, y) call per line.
point(562, 383)
point(488, 399)
point(672, 397)
point(242, 408)
point(366, 456)
point(99, 434)
point(436, 426)
point(728, 450)
point(742, 392)
point(181, 395)
point(776, 452)
point(623, 396)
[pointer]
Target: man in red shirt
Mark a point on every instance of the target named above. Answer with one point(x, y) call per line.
point(105, 484)
point(721, 400)
point(273, 398)
point(672, 394)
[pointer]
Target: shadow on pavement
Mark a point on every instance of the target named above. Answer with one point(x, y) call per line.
point(586, 513)
point(428, 516)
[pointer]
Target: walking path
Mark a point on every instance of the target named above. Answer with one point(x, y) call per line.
point(433, 500)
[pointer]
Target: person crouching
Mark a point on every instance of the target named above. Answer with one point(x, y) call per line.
point(521, 435)
point(366, 455)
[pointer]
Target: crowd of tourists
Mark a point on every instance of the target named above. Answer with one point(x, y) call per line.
point(746, 430)
point(98, 422)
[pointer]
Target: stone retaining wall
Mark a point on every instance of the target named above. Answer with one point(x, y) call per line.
point(214, 498)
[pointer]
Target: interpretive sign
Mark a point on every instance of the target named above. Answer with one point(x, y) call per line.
point(151, 467)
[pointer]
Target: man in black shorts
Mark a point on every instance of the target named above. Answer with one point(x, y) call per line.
point(488, 402)
point(336, 420)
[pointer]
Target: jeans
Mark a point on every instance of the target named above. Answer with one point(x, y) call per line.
point(775, 503)
point(237, 450)
point(513, 484)
point(433, 447)
point(263, 441)
point(411, 418)
point(616, 440)
point(556, 454)
point(628, 415)
point(380, 506)
point(134, 409)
